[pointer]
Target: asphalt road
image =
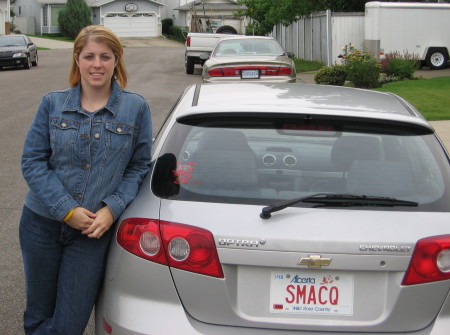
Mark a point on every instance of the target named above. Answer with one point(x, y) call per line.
point(156, 72)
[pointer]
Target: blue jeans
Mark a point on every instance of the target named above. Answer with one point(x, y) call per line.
point(63, 273)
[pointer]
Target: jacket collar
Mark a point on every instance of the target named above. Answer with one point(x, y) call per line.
point(73, 101)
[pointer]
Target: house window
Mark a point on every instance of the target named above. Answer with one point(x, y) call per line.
point(44, 16)
point(55, 10)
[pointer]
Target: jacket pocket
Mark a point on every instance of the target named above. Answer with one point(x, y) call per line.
point(118, 135)
point(63, 132)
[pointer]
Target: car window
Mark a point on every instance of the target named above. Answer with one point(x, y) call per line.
point(261, 161)
point(262, 47)
point(12, 41)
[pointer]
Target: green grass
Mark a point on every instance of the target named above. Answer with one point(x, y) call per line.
point(53, 37)
point(430, 96)
point(302, 65)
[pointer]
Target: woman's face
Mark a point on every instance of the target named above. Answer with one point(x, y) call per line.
point(96, 62)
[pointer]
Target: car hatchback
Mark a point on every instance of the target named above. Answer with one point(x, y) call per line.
point(285, 209)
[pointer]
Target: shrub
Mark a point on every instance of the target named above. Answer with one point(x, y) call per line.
point(178, 33)
point(166, 26)
point(363, 68)
point(331, 75)
point(400, 66)
point(385, 79)
point(74, 17)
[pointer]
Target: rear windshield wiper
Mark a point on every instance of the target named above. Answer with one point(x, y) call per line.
point(337, 199)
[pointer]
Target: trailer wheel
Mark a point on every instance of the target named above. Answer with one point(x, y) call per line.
point(437, 59)
point(190, 63)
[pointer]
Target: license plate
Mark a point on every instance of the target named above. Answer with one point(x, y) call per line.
point(250, 74)
point(311, 293)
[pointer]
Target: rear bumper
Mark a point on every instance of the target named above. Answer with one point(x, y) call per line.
point(133, 306)
point(196, 53)
point(166, 319)
point(268, 79)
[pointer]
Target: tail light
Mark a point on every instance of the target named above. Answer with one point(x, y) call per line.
point(188, 41)
point(176, 245)
point(430, 261)
point(263, 70)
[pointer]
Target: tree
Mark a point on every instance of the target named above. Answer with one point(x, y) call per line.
point(75, 16)
point(266, 14)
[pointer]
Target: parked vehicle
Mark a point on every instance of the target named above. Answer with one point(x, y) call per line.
point(285, 208)
point(17, 50)
point(249, 58)
point(419, 29)
point(197, 44)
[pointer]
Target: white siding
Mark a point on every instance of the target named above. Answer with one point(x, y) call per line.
point(321, 36)
point(346, 30)
point(2, 22)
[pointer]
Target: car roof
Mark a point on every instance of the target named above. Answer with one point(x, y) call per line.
point(297, 98)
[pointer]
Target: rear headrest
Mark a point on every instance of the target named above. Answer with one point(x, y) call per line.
point(219, 139)
point(347, 149)
point(224, 160)
point(380, 178)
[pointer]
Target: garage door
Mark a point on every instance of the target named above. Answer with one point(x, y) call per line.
point(131, 24)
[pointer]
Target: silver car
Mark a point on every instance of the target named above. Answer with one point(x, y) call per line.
point(251, 58)
point(285, 209)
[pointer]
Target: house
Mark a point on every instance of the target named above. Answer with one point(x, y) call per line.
point(4, 16)
point(127, 18)
point(206, 15)
point(140, 18)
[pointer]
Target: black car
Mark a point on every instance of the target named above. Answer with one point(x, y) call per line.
point(17, 50)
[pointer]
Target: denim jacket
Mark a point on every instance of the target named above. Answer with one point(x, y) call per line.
point(75, 158)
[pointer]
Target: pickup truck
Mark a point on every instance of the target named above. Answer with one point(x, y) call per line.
point(197, 44)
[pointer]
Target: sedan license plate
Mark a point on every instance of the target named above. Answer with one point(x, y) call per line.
point(311, 293)
point(250, 74)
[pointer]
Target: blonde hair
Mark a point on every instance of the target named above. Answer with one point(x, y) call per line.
point(98, 34)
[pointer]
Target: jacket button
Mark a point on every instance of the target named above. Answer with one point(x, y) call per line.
point(64, 125)
point(119, 130)
point(97, 135)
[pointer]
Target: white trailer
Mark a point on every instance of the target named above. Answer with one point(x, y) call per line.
point(420, 29)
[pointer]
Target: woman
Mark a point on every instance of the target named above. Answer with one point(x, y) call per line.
point(85, 156)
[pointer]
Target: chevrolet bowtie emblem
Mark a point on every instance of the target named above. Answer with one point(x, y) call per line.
point(315, 261)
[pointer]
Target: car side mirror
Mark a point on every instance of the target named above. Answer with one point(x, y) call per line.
point(290, 54)
point(204, 56)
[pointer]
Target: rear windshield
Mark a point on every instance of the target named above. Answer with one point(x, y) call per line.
point(259, 161)
point(261, 47)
